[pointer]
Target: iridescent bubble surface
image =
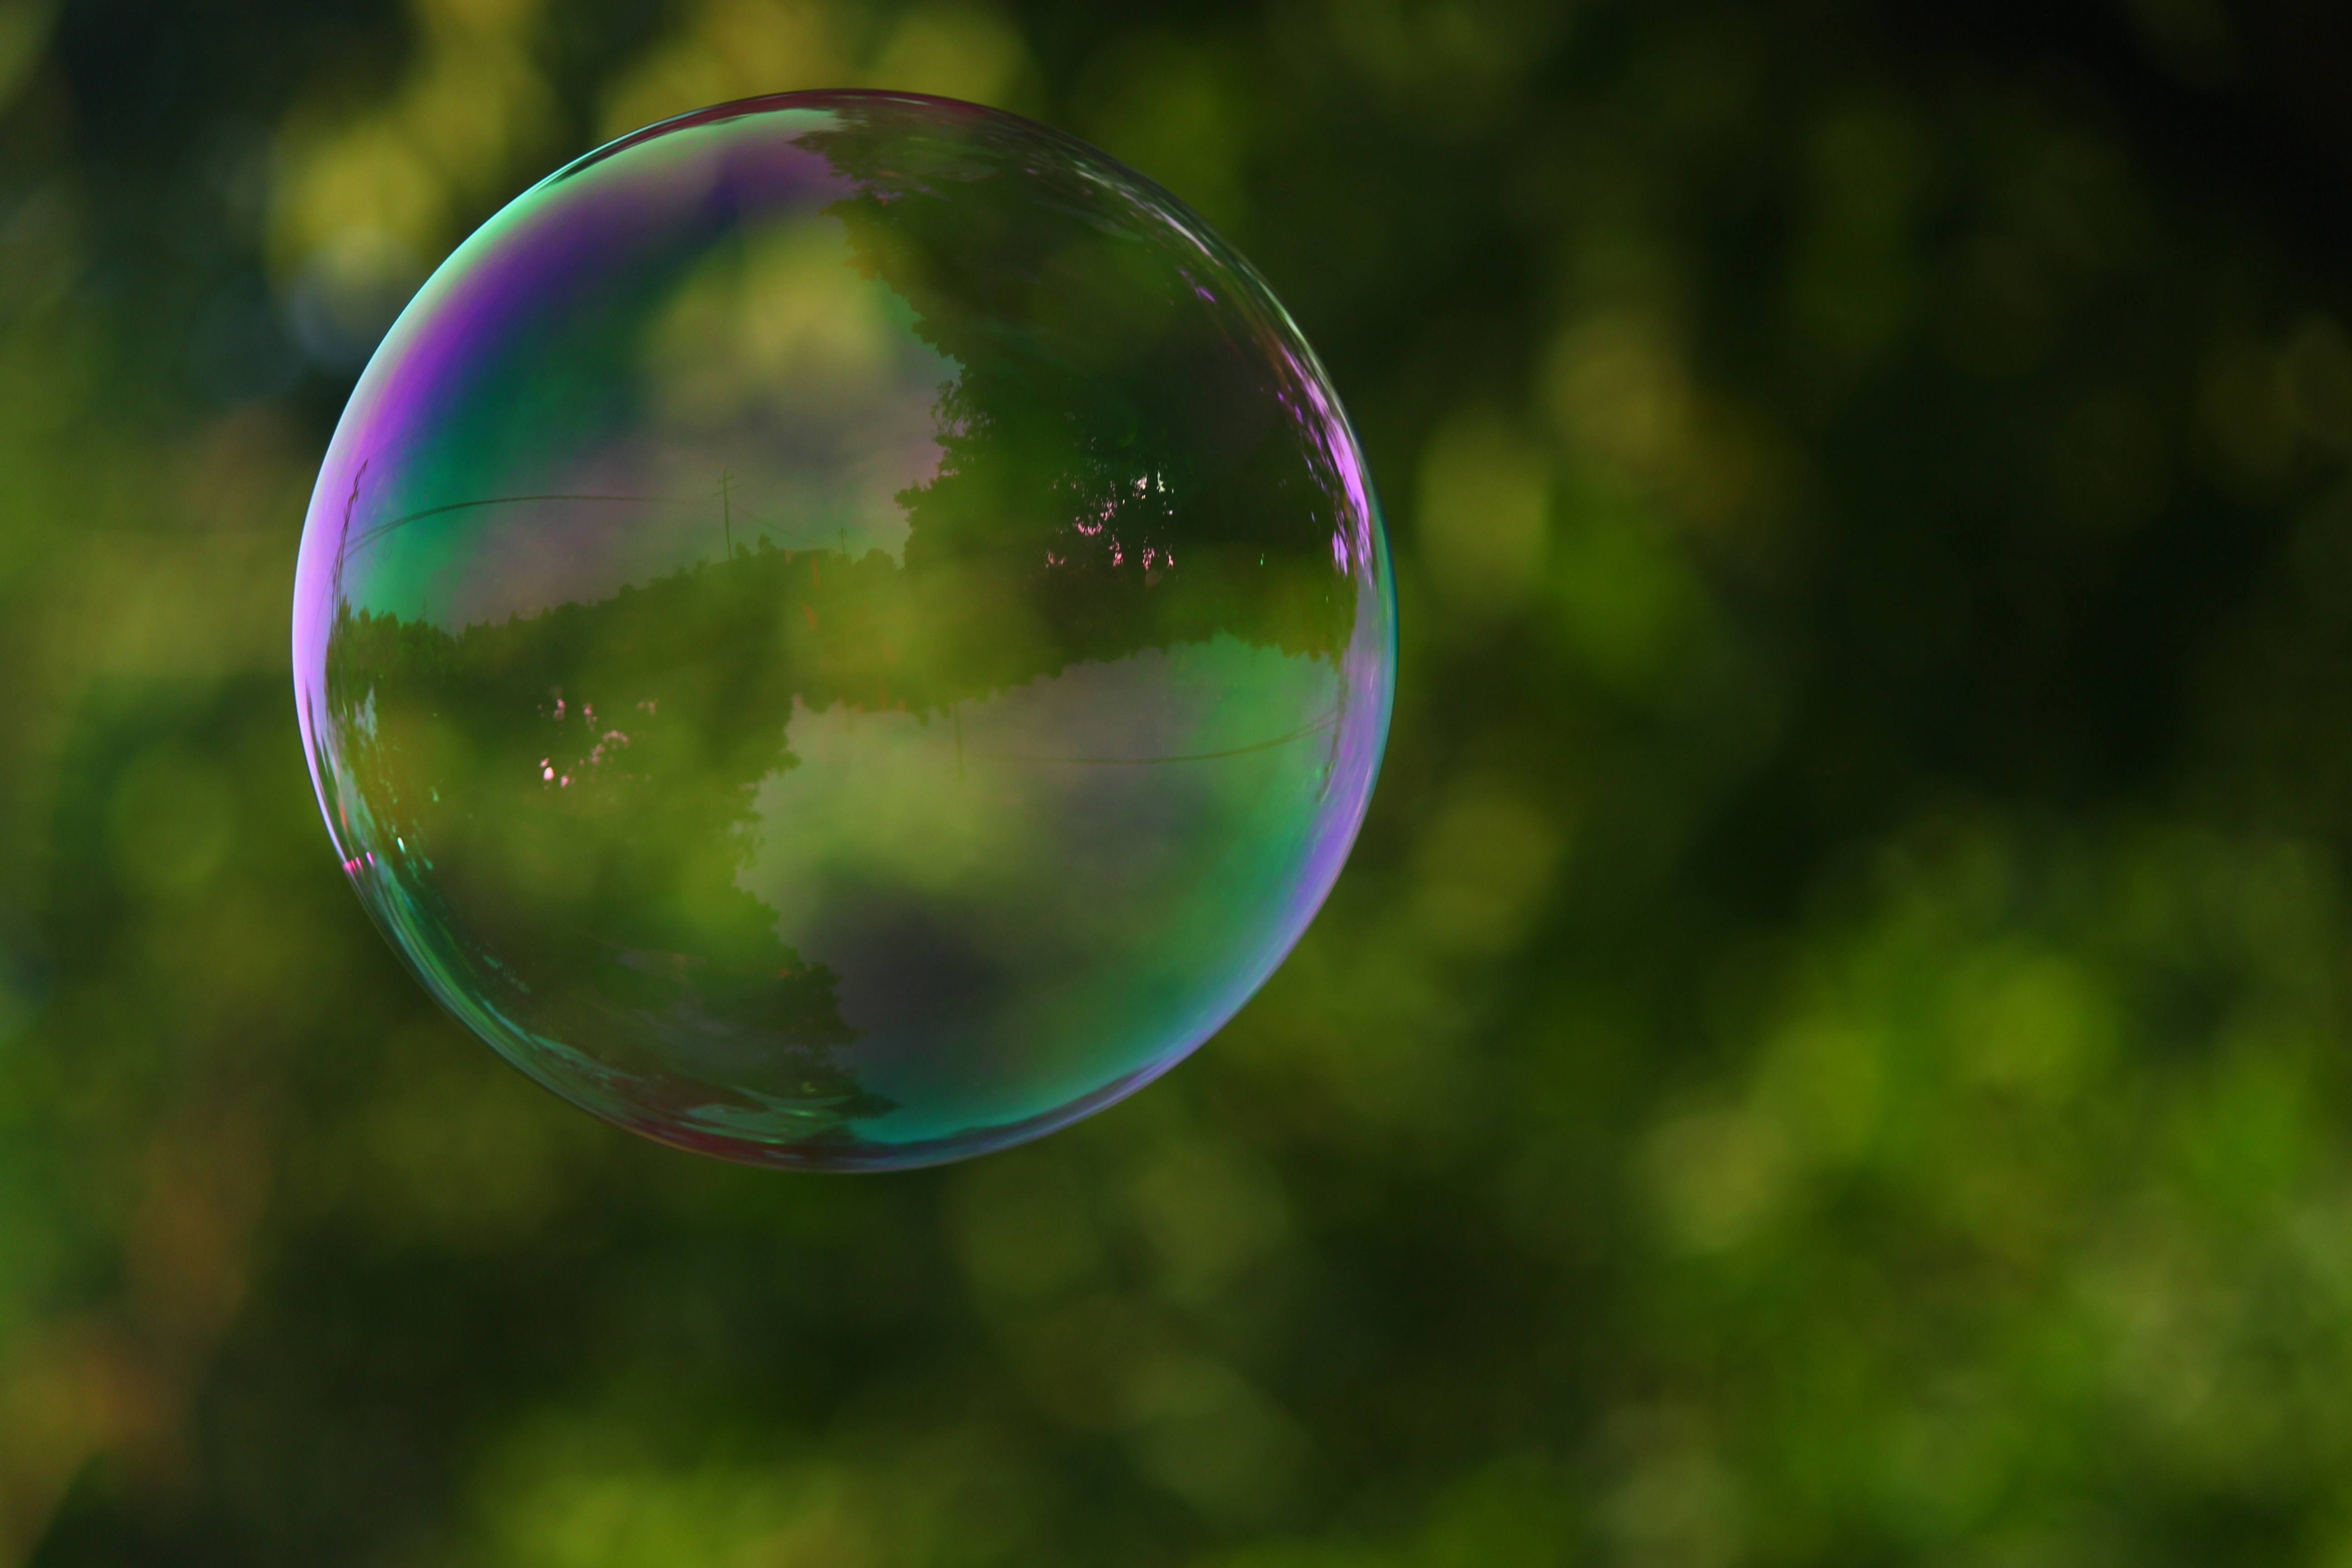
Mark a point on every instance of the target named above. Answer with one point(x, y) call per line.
point(843, 630)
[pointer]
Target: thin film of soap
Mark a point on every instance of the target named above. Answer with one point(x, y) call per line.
point(843, 631)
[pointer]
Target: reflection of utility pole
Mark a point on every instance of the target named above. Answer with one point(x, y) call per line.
point(957, 709)
point(344, 539)
point(726, 510)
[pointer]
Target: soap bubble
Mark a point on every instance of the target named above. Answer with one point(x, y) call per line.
point(843, 630)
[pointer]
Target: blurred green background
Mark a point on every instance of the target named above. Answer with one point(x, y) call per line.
point(1831, 1050)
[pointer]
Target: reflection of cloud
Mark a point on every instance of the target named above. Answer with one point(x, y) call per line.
point(976, 806)
point(543, 550)
point(964, 879)
point(875, 796)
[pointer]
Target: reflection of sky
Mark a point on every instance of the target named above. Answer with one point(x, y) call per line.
point(734, 345)
point(1046, 886)
point(825, 477)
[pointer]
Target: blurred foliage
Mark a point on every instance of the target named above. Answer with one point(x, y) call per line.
point(1831, 1050)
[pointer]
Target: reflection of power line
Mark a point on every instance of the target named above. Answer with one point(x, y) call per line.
point(370, 535)
point(1317, 728)
point(343, 540)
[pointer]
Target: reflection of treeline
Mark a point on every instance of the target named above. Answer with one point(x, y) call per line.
point(1125, 399)
point(584, 778)
point(581, 782)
